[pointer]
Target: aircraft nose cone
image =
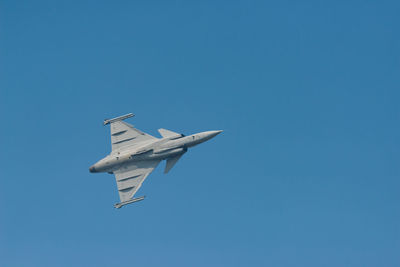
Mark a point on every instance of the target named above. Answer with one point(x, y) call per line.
point(210, 134)
point(92, 169)
point(215, 133)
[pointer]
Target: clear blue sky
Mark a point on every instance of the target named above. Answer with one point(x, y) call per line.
point(306, 172)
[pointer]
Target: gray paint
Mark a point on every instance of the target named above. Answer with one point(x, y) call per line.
point(136, 154)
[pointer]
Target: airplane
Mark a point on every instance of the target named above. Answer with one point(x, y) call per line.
point(135, 154)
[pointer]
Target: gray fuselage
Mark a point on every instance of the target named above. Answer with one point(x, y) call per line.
point(160, 149)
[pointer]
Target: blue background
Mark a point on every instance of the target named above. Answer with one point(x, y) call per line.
point(306, 172)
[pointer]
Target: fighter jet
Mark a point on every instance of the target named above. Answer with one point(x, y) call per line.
point(135, 154)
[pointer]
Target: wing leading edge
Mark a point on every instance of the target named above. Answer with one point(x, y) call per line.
point(124, 134)
point(130, 178)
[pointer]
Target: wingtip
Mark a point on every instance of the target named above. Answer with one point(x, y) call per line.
point(121, 204)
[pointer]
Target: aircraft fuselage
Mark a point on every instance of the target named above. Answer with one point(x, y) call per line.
point(160, 149)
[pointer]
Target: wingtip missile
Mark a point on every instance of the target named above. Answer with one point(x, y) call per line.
point(120, 118)
point(120, 205)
